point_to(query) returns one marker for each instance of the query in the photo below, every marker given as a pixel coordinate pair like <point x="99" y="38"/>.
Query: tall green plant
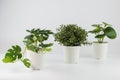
<point x="35" y="41"/>
<point x="71" y="35"/>
<point x="103" y="30"/>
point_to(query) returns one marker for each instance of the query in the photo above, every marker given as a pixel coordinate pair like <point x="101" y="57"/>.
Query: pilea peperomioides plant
<point x="35" y="41"/>
<point x="15" y="54"/>
<point x="103" y="30"/>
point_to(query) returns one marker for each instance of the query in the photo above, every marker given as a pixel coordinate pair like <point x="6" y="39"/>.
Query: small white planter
<point x="71" y="54"/>
<point x="37" y="60"/>
<point x="100" y="50"/>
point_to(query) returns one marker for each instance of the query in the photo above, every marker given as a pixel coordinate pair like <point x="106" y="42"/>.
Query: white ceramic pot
<point x="37" y="60"/>
<point x="71" y="54"/>
<point x="100" y="50"/>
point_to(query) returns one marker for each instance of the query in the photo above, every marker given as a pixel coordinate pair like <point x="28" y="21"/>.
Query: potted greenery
<point x="101" y="31"/>
<point x="15" y="54"/>
<point x="71" y="36"/>
<point x="37" y="45"/>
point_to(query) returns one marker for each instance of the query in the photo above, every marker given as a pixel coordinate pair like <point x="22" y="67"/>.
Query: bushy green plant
<point x="71" y="35"/>
<point x="35" y="41"/>
<point x="15" y="54"/>
<point x="103" y="30"/>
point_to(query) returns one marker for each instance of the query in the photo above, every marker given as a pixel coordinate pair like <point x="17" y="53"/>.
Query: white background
<point x="18" y="15"/>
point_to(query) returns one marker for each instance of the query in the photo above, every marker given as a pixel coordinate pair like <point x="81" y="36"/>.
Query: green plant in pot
<point x="71" y="36"/>
<point x="37" y="45"/>
<point x="102" y="31"/>
<point x="15" y="54"/>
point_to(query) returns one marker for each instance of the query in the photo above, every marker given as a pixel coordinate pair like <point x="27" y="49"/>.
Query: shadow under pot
<point x="100" y="50"/>
<point x="37" y="60"/>
<point x="71" y="54"/>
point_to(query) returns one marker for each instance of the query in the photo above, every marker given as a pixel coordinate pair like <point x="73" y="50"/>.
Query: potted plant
<point x="15" y="54"/>
<point x="37" y="45"/>
<point x="102" y="31"/>
<point x="71" y="36"/>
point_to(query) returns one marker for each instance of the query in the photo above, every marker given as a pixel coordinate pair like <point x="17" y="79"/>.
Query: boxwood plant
<point x="71" y="35"/>
<point x="103" y="30"/>
<point x="36" y="40"/>
<point x="15" y="54"/>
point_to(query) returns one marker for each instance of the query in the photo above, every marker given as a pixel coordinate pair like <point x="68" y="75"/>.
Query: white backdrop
<point x="18" y="15"/>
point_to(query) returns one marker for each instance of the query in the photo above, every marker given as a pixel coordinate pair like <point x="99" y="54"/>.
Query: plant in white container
<point x="37" y="45"/>
<point x="101" y="31"/>
<point x="71" y="36"/>
<point x="15" y="54"/>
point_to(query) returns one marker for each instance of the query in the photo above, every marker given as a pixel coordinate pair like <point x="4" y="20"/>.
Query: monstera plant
<point x="101" y="32"/>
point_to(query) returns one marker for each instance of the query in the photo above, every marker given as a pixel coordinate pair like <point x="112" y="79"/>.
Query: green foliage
<point x="35" y="40"/>
<point x="14" y="54"/>
<point x="103" y="30"/>
<point x="71" y="35"/>
<point x="26" y="62"/>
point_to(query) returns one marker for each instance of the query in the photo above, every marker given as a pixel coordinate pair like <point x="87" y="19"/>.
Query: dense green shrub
<point x="71" y="35"/>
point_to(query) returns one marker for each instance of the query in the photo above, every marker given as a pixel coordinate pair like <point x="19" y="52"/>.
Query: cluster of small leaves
<point x="14" y="54"/>
<point x="35" y="40"/>
<point x="103" y="30"/>
<point x="71" y="35"/>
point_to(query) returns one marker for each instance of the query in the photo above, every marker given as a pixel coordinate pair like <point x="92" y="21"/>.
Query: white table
<point x="55" y="69"/>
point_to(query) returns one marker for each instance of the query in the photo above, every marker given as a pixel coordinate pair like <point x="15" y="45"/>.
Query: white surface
<point x="55" y="69"/>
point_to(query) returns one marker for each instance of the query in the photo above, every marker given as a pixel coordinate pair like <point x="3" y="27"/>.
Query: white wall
<point x="18" y="15"/>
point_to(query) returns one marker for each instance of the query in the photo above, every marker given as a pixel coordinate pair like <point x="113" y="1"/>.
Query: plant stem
<point x="36" y="43"/>
<point x="24" y="52"/>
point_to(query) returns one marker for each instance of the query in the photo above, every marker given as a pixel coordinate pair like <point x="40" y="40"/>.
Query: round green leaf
<point x="110" y="33"/>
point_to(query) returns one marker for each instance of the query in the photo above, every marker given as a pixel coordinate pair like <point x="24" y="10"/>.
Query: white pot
<point x="71" y="54"/>
<point x="37" y="60"/>
<point x="100" y="50"/>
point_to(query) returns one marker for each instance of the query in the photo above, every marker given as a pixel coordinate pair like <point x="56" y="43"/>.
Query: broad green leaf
<point x="8" y="59"/>
<point x="100" y="36"/>
<point x="110" y="33"/>
<point x="26" y="62"/>
<point x="13" y="54"/>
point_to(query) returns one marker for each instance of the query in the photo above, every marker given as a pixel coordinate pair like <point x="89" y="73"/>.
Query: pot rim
<point x="72" y="46"/>
<point x="105" y="42"/>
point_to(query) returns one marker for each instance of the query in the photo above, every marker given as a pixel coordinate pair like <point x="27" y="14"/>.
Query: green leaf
<point x="46" y="45"/>
<point x="96" y="25"/>
<point x="48" y="49"/>
<point x="33" y="48"/>
<point x="110" y="33"/>
<point x="106" y="24"/>
<point x="100" y="36"/>
<point x="13" y="54"/>
<point x="26" y="62"/>
<point x="8" y="59"/>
